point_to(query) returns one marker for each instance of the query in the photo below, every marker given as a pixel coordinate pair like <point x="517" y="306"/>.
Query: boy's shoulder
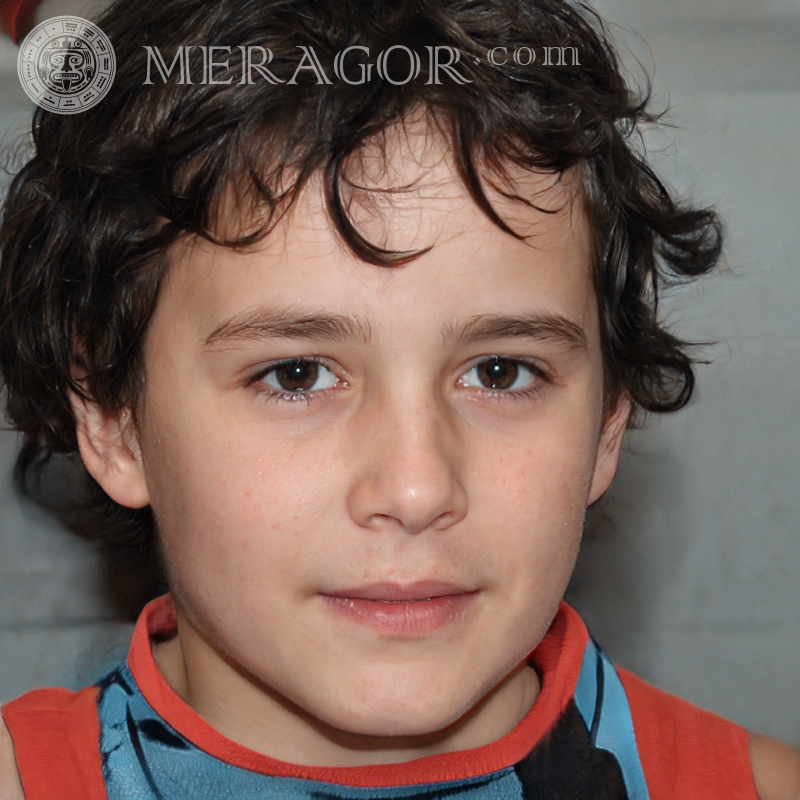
<point x="49" y="745"/>
<point x="776" y="768"/>
<point x="10" y="786"/>
<point x="683" y="746"/>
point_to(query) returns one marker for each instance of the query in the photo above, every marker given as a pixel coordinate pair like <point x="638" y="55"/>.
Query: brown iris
<point x="498" y="373"/>
<point x="297" y="376"/>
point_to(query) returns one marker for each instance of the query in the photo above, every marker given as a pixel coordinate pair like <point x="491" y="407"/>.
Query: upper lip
<point x="419" y="590"/>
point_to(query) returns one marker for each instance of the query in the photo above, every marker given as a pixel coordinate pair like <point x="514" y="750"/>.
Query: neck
<point x="255" y="716"/>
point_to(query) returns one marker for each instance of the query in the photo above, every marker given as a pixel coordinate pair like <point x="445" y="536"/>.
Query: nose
<point x="407" y="476"/>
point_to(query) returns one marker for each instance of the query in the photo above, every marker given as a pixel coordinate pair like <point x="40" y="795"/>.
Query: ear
<point x="607" y="460"/>
<point x="110" y="451"/>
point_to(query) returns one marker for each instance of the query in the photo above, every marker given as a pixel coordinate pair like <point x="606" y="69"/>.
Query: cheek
<point x="535" y="494"/>
<point x="226" y="500"/>
<point x="546" y="470"/>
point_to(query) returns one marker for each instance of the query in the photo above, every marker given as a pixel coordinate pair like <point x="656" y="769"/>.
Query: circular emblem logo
<point x="66" y="65"/>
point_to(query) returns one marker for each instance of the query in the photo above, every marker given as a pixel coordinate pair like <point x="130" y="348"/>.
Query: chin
<point x="406" y="725"/>
<point x="398" y="716"/>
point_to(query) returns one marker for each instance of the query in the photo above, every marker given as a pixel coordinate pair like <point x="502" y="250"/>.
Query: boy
<point x="357" y="351"/>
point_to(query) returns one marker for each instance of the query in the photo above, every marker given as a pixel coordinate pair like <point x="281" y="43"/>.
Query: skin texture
<point x="399" y="466"/>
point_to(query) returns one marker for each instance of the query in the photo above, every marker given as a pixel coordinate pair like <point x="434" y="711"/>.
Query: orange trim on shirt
<point x="558" y="657"/>
<point x="687" y="752"/>
<point x="56" y="735"/>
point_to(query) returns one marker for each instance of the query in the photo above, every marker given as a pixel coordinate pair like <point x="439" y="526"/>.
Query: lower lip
<point x="404" y="618"/>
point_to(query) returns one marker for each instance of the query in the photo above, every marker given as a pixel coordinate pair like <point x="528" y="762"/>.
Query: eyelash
<point x="540" y="377"/>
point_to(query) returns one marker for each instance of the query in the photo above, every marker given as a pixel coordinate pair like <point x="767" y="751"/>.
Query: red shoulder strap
<point x="56" y="736"/>
<point x="685" y="751"/>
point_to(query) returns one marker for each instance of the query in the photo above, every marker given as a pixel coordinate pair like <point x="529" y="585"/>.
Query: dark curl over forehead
<point x="91" y="217"/>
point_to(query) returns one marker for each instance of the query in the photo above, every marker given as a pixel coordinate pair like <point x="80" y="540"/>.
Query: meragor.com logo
<point x="66" y="65"/>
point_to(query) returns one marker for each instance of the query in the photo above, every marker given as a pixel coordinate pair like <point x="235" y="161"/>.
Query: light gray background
<point x="693" y="581"/>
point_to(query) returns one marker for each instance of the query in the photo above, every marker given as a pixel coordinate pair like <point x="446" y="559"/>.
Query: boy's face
<point x="381" y="529"/>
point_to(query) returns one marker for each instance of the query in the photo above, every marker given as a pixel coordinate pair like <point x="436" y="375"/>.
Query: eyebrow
<point x="264" y="323"/>
<point x="536" y="326"/>
<point x="283" y="323"/>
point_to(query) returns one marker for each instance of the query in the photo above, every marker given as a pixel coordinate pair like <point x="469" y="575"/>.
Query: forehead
<point x="403" y="193"/>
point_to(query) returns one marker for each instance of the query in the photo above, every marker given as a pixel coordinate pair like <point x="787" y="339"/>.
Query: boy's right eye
<point x="298" y="376"/>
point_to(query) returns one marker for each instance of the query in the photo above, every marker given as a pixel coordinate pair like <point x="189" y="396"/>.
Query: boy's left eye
<point x="501" y="374"/>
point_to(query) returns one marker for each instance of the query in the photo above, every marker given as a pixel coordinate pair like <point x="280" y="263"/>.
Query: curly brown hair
<point x="91" y="218"/>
